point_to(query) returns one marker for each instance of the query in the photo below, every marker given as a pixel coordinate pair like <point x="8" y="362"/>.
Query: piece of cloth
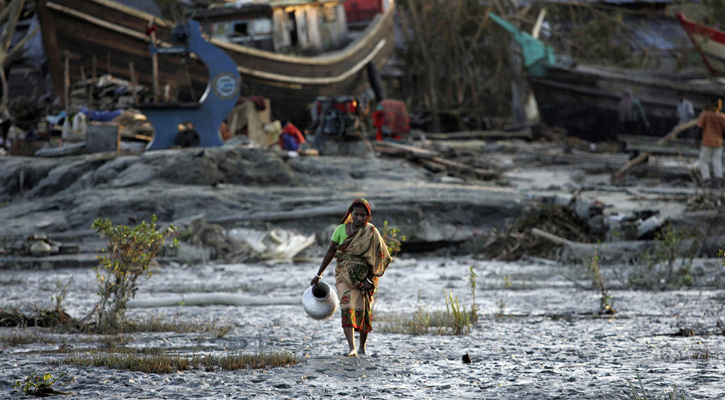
<point x="348" y="216"/>
<point x="393" y="116"/>
<point x="685" y="111"/>
<point x="710" y="156"/>
<point x="363" y="255"/>
<point x="713" y="125"/>
<point x="291" y="138"/>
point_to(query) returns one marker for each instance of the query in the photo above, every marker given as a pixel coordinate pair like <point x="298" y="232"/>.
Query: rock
<point x="40" y="248"/>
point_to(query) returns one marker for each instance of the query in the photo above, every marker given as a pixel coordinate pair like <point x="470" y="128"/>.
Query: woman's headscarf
<point x="358" y="202"/>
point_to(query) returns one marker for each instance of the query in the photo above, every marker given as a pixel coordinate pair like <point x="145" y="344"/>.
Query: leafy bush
<point x="130" y="252"/>
<point x="391" y="237"/>
<point x="40" y="386"/>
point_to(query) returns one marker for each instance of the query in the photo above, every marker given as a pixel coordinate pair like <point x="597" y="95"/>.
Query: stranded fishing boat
<point x="709" y="42"/>
<point x="289" y="51"/>
<point x="584" y="99"/>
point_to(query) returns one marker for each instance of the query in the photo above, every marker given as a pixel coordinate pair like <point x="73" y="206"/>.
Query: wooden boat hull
<point x="584" y="100"/>
<point x="710" y="42"/>
<point x="115" y="35"/>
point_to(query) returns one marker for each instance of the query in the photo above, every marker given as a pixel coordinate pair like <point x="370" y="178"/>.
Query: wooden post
<point x="133" y="82"/>
<point x="154" y="63"/>
<point x="66" y="83"/>
<point x="95" y="68"/>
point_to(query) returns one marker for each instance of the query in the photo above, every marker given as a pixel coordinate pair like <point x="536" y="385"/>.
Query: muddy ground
<point x="539" y="337"/>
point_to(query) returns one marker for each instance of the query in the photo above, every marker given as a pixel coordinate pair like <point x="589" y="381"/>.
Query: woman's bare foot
<point x="352" y="353"/>
<point x="363" y="351"/>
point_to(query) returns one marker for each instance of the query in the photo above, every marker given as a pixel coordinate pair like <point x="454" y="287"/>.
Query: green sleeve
<point x="339" y="235"/>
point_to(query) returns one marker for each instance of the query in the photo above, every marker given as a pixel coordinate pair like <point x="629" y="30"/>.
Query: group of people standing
<point x="710" y="124"/>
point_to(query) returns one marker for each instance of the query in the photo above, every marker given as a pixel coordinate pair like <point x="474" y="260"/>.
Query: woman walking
<point x="362" y="257"/>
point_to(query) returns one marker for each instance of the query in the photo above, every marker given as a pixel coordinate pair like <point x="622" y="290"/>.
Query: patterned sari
<point x="363" y="255"/>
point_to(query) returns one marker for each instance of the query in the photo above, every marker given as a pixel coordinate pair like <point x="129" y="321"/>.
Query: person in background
<point x="632" y="115"/>
<point x="712" y="123"/>
<point x="291" y="138"/>
<point x="685" y="113"/>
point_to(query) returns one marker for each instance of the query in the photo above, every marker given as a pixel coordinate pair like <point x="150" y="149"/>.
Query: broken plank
<point x="493" y="134"/>
<point x="432" y="165"/>
<point x="402" y="149"/>
<point x="481" y="173"/>
<point x="643" y="156"/>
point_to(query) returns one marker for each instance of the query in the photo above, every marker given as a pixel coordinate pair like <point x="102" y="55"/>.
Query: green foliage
<point x="454" y="320"/>
<point x="461" y="322"/>
<point x="638" y="393"/>
<point x="36" y="385"/>
<point x="130" y="253"/>
<point x="506" y="284"/>
<point x="606" y="303"/>
<point x="665" y="265"/>
<point x="393" y="239"/>
<point x="472" y="282"/>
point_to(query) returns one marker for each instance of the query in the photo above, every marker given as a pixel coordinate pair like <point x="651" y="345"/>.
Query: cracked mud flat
<point x="548" y="344"/>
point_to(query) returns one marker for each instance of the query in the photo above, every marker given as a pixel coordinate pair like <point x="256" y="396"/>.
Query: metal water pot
<point x="320" y="300"/>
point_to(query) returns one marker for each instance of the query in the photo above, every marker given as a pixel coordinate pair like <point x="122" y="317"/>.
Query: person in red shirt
<point x="291" y="137"/>
<point x="712" y="123"/>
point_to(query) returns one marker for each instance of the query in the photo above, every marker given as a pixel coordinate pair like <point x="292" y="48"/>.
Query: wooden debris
<point x="432" y="160"/>
<point x="643" y="156"/>
<point x="650" y="144"/>
<point x="517" y="240"/>
<point x="470" y="135"/>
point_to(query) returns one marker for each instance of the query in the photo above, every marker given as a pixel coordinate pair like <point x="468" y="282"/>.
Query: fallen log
<point x="643" y="156"/>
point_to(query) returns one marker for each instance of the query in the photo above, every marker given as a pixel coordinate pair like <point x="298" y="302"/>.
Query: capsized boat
<point x="584" y="98"/>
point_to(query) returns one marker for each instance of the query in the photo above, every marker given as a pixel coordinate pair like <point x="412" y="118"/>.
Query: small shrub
<point x="501" y="301"/>
<point x="659" y="267"/>
<point x="472" y="283"/>
<point x="606" y="303"/>
<point x="131" y="251"/>
<point x="638" y="393"/>
<point x="40" y="386"/>
<point x="393" y="239"/>
<point x="461" y="322"/>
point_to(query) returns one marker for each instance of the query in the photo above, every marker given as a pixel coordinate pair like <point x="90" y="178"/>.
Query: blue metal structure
<point x="217" y="101"/>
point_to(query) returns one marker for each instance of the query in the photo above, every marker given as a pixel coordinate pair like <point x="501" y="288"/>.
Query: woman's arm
<point x="329" y="254"/>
